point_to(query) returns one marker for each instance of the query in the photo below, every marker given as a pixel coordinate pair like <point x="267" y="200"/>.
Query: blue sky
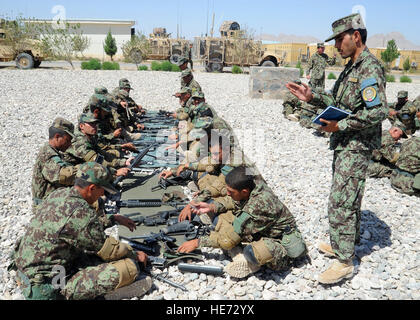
<point x="299" y="17"/>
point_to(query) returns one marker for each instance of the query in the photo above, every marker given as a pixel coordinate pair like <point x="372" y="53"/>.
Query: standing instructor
<point x="360" y="89"/>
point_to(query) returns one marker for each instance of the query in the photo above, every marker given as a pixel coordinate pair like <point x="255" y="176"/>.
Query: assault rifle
<point x="157" y="219"/>
<point x="154" y="237"/>
<point x="175" y="181"/>
<point x="148" y="203"/>
<point x="147" y="248"/>
<point x="135" y="162"/>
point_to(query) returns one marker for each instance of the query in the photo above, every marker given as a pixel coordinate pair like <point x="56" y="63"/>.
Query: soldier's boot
<point x="240" y="267"/>
<point x="326" y="249"/>
<point x="137" y="289"/>
<point x="293" y="117"/>
<point x="337" y="272"/>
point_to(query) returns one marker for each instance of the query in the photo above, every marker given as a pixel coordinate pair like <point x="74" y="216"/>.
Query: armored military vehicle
<point x="232" y="48"/>
<point x="26" y="54"/>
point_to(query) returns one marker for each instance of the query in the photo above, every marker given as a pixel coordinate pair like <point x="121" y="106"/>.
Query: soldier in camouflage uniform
<point x="50" y="171"/>
<point x="65" y="247"/>
<point x="406" y="177"/>
<point x="404" y="111"/>
<point x="317" y="64"/>
<point x="384" y="159"/>
<point x="85" y="148"/>
<point x="260" y="220"/>
<point x="187" y="80"/>
<point x="360" y="89"/>
<point x="185" y="101"/>
<point x="183" y="63"/>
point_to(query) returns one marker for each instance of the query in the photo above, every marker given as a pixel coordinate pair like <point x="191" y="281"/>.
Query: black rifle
<point x="135" y="162"/>
<point x="165" y="183"/>
<point x="148" y="203"/>
<point x="157" y="219"/>
<point x="147" y="248"/>
<point x="154" y="237"/>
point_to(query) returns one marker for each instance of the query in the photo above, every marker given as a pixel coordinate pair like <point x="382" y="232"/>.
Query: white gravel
<point x="296" y="164"/>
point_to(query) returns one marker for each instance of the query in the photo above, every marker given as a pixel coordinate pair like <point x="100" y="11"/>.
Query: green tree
<point x="407" y="64"/>
<point x="110" y="45"/>
<point x="137" y="49"/>
<point x="390" y="54"/>
<point x="80" y="43"/>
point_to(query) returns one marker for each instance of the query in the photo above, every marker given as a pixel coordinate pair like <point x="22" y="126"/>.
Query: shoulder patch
<point x="369" y="91"/>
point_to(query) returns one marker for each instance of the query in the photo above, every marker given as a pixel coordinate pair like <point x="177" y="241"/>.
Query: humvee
<point x="233" y="48"/>
<point x="28" y="56"/>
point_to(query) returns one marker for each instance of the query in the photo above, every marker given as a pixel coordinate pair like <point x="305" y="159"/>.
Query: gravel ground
<point x="296" y="165"/>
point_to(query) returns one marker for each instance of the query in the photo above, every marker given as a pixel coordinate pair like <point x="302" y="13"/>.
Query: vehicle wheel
<point x="136" y="56"/>
<point x="268" y="63"/>
<point x="216" y="66"/>
<point x="175" y="58"/>
<point x="207" y="67"/>
<point x="25" y="61"/>
<point x="37" y="63"/>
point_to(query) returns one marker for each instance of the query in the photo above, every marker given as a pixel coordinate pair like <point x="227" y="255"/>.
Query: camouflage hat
<point x="184" y="90"/>
<point x="350" y="22"/>
<point x="95" y="173"/>
<point x="187" y="72"/>
<point x="320" y="45"/>
<point x="198" y="94"/>
<point x="64" y="125"/>
<point x="181" y="61"/>
<point x="126" y="86"/>
<point x="101" y="101"/>
<point x="402" y="94"/>
<point x="101" y="90"/>
<point x="87" y="118"/>
<point x="123" y="81"/>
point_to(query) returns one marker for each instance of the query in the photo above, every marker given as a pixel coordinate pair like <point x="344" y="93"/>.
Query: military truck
<point x="162" y="47"/>
<point x="233" y="48"/>
<point x="26" y="54"/>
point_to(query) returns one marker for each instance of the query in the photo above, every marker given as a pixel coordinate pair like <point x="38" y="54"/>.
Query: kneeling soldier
<point x="260" y="221"/>
<point x="66" y="234"/>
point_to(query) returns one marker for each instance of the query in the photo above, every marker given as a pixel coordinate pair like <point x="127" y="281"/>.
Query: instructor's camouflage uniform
<point x="317" y="64"/>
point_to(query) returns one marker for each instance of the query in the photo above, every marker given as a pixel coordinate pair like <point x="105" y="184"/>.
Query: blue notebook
<point x="331" y="113"/>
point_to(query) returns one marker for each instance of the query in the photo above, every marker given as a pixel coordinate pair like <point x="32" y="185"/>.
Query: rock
<point x="239" y="291"/>
<point x="268" y="295"/>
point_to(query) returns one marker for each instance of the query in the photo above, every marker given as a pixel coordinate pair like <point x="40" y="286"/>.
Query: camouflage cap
<point x="198" y="95"/>
<point x="123" y="81"/>
<point x="320" y="45"/>
<point x="186" y="72"/>
<point x="101" y="101"/>
<point x="87" y="118"/>
<point x="96" y="174"/>
<point x="353" y="21"/>
<point x="181" y="61"/>
<point x="101" y="90"/>
<point x="184" y="90"/>
<point x="402" y="94"/>
<point x="64" y="125"/>
<point x="126" y="86"/>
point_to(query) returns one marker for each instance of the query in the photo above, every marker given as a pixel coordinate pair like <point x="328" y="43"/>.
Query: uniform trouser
<point x="317" y="83"/>
<point x="378" y="170"/>
<point x="344" y="214"/>
<point x="403" y="182"/>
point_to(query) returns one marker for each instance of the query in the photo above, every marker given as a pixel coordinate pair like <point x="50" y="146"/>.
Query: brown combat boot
<point x="337" y="272"/>
<point x="326" y="249"/>
<point x="137" y="289"/>
<point x="240" y="267"/>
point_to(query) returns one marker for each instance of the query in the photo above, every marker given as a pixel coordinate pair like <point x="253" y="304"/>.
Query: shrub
<point x="175" y="68"/>
<point x="92" y="64"/>
<point x="156" y="66"/>
<point x="166" y="66"/>
<point x="299" y="66"/>
<point x="332" y="76"/>
<point x="143" y="68"/>
<point x="405" y="79"/>
<point x="237" y="70"/>
<point x="110" y="66"/>
<point x="390" y="78"/>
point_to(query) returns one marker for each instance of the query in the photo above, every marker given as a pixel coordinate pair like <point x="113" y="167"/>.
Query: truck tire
<point x="37" y="63"/>
<point x="175" y="58"/>
<point x="25" y="61"/>
<point x="268" y="63"/>
<point x="216" y="65"/>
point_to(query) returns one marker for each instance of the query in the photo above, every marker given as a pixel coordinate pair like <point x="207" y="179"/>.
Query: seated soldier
<point x="185" y="101"/>
<point x="65" y="247"/>
<point x="406" y="112"/>
<point x="291" y="105"/>
<point x="260" y="220"/>
<point x="124" y="84"/>
<point x="85" y="148"/>
<point x="50" y="171"/>
<point x="394" y="108"/>
<point x="383" y="160"/>
<point x="406" y="177"/>
<point x="187" y="80"/>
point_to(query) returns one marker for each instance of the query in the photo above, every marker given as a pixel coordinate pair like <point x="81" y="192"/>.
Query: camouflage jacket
<point x="46" y="175"/>
<point x="202" y="110"/>
<point x="388" y="150"/>
<point x="63" y="230"/>
<point x="86" y="149"/>
<point x="363" y="128"/>
<point x="193" y="85"/>
<point x="409" y="159"/>
<point x="262" y="215"/>
<point x="317" y="64"/>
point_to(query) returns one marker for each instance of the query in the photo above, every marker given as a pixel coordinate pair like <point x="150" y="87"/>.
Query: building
<point x="97" y="29"/>
<point x="292" y="52"/>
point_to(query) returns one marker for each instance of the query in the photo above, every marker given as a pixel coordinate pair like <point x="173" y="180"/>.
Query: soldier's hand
<point x="302" y="92"/>
<point x="122" y="172"/>
<point x="117" y="132"/>
<point x="185" y="214"/>
<point x="124" y="104"/>
<point x="128" y="162"/>
<point x="188" y="246"/>
<point x="142" y="258"/>
<point x="124" y="221"/>
<point x="332" y="126"/>
<point x="140" y="126"/>
<point x="181" y="168"/>
<point x="165" y="174"/>
<point x="173" y="137"/>
<point x="202" y="207"/>
<point x="174" y="115"/>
